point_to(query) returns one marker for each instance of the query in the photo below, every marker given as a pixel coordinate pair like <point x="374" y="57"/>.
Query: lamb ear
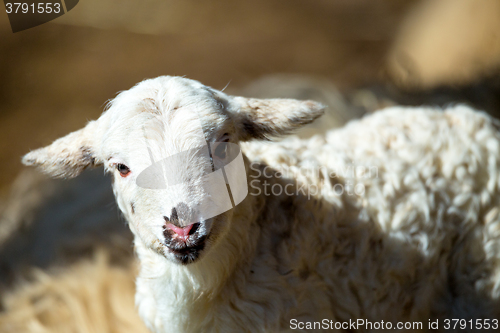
<point x="67" y="156"/>
<point x="266" y="118"/>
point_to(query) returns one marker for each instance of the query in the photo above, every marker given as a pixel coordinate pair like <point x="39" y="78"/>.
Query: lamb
<point x="392" y="220"/>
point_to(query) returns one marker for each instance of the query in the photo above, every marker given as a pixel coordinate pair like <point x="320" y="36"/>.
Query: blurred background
<point x="356" y="56"/>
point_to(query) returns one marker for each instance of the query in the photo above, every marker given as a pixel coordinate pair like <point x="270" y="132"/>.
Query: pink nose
<point x="181" y="231"/>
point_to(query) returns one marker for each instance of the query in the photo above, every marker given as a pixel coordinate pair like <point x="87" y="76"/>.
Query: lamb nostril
<point x="166" y="218"/>
<point x="194" y="228"/>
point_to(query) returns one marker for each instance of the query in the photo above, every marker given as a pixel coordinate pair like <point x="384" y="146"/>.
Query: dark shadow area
<point x="66" y="225"/>
<point x="482" y="94"/>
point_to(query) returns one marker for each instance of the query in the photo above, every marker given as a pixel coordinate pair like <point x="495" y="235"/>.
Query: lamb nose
<point x="174" y="218"/>
<point x="173" y="215"/>
<point x="183" y="231"/>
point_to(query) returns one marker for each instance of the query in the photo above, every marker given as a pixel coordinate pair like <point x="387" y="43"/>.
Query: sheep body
<point x="394" y="217"/>
<point x="420" y="242"/>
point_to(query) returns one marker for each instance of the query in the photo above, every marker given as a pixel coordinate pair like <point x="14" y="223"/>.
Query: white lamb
<point x="392" y="218"/>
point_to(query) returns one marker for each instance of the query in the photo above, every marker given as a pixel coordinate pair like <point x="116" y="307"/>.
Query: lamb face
<point x="163" y="167"/>
<point x="165" y="142"/>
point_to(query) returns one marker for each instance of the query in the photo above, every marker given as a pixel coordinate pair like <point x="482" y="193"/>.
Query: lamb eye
<point x="221" y="149"/>
<point x="123" y="169"/>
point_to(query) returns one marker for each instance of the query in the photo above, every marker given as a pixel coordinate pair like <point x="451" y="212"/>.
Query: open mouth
<point x="185" y="243"/>
<point x="188" y="254"/>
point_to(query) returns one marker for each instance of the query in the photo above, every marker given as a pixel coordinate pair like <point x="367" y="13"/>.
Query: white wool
<point x="394" y="217"/>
